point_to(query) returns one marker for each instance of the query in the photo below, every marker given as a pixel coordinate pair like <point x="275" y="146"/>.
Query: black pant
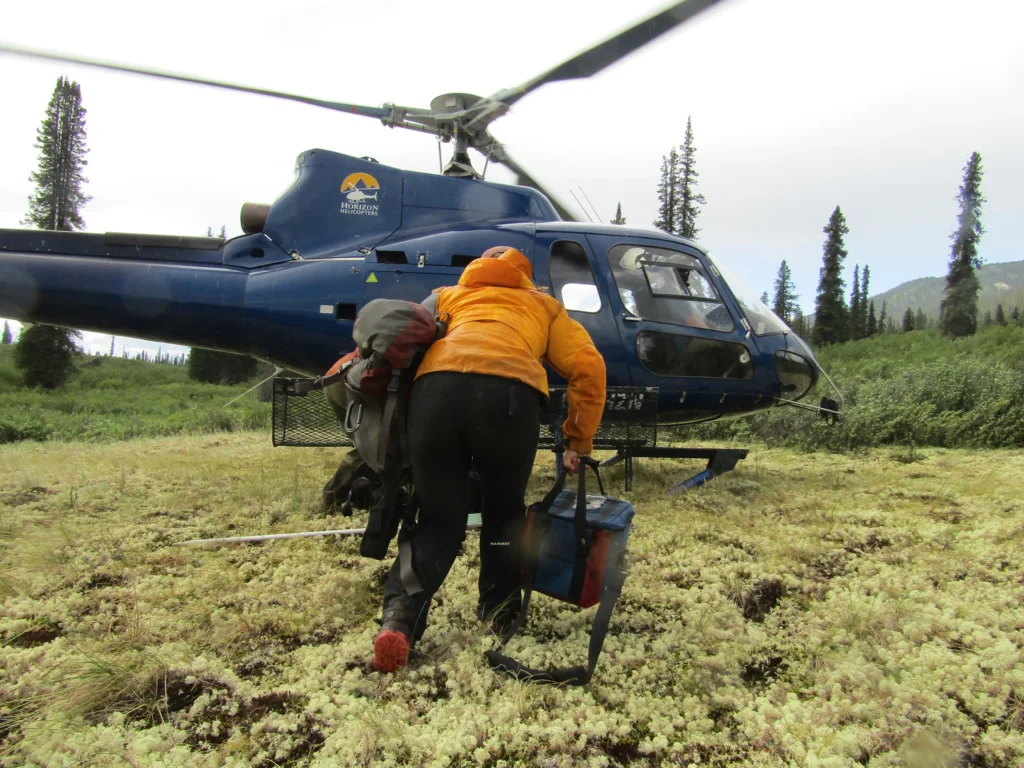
<point x="457" y="420"/>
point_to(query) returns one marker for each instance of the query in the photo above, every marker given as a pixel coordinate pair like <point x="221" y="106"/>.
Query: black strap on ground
<point x="569" y="675"/>
<point x="577" y="675"/>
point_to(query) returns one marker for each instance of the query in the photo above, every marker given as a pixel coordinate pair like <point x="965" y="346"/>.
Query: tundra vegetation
<point x="806" y="609"/>
<point x="858" y="605"/>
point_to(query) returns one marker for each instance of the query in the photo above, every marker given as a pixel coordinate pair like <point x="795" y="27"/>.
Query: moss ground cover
<point x="818" y="610"/>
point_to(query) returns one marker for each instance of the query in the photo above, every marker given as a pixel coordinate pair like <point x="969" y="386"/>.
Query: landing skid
<point x="720" y="461"/>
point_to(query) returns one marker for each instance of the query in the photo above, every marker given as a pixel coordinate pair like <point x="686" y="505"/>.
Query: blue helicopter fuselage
<point x="348" y="231"/>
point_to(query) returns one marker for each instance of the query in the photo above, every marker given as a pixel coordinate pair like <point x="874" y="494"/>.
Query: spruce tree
<point x="7" y="338"/>
<point x="830" y="322"/>
<point x="58" y="198"/>
<point x="1015" y="316"/>
<point x="1000" y="315"/>
<point x="688" y="198"/>
<point x="865" y="278"/>
<point x="784" y="304"/>
<point x="987" y="320"/>
<point x="872" y="326"/>
<point x="45" y="355"/>
<point x="959" y="308"/>
<point x="764" y="298"/>
<point x="920" y="320"/>
<point x="668" y="189"/>
<point x="799" y="323"/>
<point x="619" y="218"/>
<point x="855" y="305"/>
<point x="908" y="320"/>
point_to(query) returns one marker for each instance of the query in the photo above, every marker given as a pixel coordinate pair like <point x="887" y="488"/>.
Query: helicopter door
<point x="679" y="332"/>
<point x="565" y="264"/>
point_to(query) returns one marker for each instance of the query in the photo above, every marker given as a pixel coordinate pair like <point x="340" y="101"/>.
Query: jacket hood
<point x="507" y="271"/>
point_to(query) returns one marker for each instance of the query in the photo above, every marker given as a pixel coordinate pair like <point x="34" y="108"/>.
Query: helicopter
<point x="664" y="313"/>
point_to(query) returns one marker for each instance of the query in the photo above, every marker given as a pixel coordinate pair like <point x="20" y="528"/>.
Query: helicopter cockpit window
<point x="572" y="278"/>
<point x="762" y="320"/>
<point x="667" y="286"/>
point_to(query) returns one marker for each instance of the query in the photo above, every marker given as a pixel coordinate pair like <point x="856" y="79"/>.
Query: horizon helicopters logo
<point x="361" y="193"/>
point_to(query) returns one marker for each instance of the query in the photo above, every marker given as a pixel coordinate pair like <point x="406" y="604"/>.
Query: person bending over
<point x="476" y="400"/>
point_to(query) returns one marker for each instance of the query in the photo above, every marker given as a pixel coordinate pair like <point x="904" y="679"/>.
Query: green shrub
<point x="913" y="388"/>
<point x="119" y="399"/>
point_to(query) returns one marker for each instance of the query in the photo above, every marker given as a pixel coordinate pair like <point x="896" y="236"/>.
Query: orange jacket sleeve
<point x="573" y="355"/>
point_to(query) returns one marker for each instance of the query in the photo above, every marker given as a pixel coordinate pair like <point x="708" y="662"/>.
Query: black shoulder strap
<point x="389" y="418"/>
<point x="303" y="386"/>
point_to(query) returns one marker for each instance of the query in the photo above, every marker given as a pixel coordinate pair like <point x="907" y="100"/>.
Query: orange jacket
<point x="502" y="325"/>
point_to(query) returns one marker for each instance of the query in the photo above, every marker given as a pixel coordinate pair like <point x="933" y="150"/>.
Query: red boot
<point x="391" y="648"/>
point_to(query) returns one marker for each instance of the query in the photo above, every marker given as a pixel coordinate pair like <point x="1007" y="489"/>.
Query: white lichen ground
<point x="804" y="610"/>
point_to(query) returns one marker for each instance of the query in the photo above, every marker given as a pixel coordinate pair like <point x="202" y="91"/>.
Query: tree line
<point x="837" y="319"/>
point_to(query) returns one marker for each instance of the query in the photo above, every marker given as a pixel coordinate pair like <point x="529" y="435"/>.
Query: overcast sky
<point x="797" y="106"/>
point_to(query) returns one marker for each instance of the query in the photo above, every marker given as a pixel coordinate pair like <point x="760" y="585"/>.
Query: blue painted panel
<point x="198" y="305"/>
<point x="336" y="204"/>
<point x="290" y="312"/>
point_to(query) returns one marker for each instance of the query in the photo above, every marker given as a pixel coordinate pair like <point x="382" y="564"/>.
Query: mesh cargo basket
<point x="630" y="418"/>
<point x="305" y="420"/>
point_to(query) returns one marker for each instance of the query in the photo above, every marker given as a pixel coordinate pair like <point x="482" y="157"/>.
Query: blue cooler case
<point x="574" y="551"/>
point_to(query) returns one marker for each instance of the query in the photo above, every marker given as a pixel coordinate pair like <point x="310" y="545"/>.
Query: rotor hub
<point x="453" y="104"/>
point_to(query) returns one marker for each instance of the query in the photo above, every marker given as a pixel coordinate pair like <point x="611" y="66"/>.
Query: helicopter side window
<point x="572" y="278"/>
<point x="667" y="286"/>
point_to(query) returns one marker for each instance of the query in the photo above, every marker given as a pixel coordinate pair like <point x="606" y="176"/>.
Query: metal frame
<point x="642" y="443"/>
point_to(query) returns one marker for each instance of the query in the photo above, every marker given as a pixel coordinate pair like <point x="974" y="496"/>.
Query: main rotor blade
<point x="593" y="60"/>
<point x="339" y="106"/>
<point x="500" y="155"/>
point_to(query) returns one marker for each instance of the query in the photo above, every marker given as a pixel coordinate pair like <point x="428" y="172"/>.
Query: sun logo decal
<point x="361" y="192"/>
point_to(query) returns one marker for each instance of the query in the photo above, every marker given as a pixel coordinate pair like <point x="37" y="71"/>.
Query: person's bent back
<point x="476" y="402"/>
<point x="509" y="333"/>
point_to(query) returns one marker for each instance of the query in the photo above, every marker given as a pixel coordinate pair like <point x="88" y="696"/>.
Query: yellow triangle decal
<point x="372" y="278"/>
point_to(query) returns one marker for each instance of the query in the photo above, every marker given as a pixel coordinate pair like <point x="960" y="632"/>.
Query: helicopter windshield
<point x="763" y="321"/>
<point x="667" y="286"/>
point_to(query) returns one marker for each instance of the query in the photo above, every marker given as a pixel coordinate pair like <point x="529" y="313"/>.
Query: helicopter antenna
<point x="487" y="161"/>
<point x="440" y="159"/>
<point x="592" y="205"/>
<point x="580" y="205"/>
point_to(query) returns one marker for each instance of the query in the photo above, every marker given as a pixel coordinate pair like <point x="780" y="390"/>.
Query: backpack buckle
<point x="356" y="409"/>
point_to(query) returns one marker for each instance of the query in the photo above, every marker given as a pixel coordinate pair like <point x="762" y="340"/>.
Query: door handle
<point x="630" y="318"/>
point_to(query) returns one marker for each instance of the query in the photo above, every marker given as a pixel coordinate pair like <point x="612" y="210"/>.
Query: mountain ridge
<point x="1001" y="283"/>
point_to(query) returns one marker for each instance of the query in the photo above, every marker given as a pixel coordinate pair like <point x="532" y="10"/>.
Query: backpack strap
<point x="389" y="417"/>
<point x="405" y="570"/>
<point x="304" y="386"/>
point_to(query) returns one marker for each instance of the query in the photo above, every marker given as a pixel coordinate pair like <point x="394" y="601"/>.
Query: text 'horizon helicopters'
<point x="662" y="311"/>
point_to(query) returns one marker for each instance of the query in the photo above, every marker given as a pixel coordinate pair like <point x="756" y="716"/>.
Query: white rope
<point x="276" y="371"/>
